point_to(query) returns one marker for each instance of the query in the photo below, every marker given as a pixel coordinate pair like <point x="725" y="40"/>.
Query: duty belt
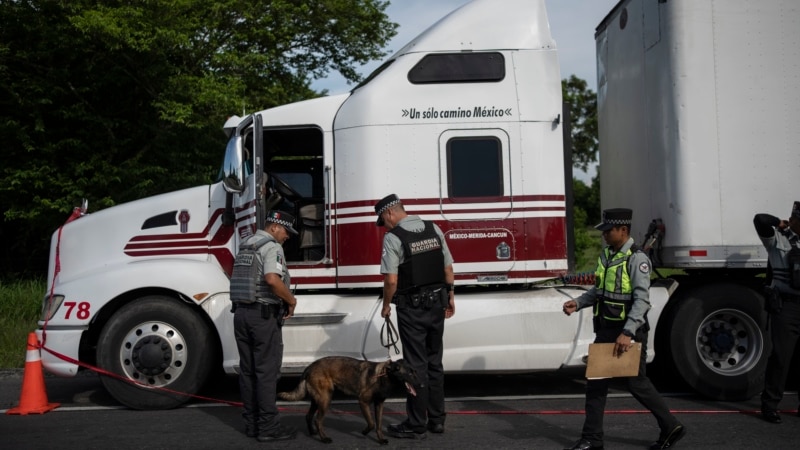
<point x="269" y="310"/>
<point x="426" y="298"/>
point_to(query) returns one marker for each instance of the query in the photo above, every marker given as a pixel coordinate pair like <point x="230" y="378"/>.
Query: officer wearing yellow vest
<point x="620" y="301"/>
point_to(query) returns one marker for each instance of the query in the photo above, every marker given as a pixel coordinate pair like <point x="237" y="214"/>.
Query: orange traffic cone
<point x="33" y="399"/>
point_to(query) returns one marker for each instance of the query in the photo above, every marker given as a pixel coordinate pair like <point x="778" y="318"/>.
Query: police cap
<point x="384" y="204"/>
<point x="281" y="218"/>
<point x="615" y="217"/>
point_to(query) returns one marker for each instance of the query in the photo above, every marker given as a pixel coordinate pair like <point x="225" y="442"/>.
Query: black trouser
<point x="784" y="330"/>
<point x="421" y="333"/>
<point x="260" y="345"/>
<point x="639" y="386"/>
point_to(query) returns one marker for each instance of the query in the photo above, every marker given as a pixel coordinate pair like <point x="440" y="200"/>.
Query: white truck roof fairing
<point x="697" y="103"/>
<point x="498" y="22"/>
<point x="390" y="126"/>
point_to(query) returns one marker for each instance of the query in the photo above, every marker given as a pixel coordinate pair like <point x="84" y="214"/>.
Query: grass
<point x="20" y="307"/>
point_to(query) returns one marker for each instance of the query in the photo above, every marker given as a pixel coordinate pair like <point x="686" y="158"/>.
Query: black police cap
<point x="281" y="218"/>
<point x="384" y="204"/>
<point x="615" y="217"/>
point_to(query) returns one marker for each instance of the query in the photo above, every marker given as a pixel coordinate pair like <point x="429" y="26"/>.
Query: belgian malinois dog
<point x="370" y="382"/>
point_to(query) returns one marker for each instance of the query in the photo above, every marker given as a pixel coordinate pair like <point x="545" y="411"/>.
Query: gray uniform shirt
<point x="392" y="255"/>
<point x="272" y="257"/>
<point x="639" y="267"/>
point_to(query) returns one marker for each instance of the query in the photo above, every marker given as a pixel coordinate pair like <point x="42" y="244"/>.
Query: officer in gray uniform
<point x="620" y="301"/>
<point x="262" y="300"/>
<point x="418" y="279"/>
<point x="780" y="237"/>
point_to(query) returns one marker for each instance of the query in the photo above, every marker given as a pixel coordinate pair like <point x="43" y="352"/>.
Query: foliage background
<point x="114" y="101"/>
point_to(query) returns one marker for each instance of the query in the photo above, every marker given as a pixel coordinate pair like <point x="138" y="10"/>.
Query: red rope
<point x="76" y="213"/>
<point x="107" y="373"/>
<point x="615" y="412"/>
<point x="455" y="412"/>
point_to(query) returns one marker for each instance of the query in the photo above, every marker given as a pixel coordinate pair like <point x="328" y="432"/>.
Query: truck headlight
<point x="50" y="306"/>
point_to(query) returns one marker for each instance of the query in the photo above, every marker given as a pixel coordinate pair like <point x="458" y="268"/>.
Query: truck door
<point x="475" y="187"/>
<point x="295" y="181"/>
<point x="241" y="176"/>
<point x="279" y="168"/>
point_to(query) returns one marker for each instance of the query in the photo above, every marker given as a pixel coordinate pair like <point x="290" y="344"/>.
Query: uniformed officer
<point x="780" y="237"/>
<point x="620" y="300"/>
<point x="262" y="300"/>
<point x="418" y="279"/>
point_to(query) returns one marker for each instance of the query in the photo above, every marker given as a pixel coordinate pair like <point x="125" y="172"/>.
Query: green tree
<point x="587" y="198"/>
<point x="582" y="103"/>
<point x="583" y="111"/>
<point x="586" y="213"/>
<point x="114" y="101"/>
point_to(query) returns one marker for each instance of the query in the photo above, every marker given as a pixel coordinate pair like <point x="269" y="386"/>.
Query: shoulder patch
<point x="644" y="267"/>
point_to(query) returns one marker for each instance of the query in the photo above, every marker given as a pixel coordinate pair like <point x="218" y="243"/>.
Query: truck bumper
<point x="63" y="342"/>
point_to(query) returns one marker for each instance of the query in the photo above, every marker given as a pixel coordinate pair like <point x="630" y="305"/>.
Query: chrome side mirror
<point x="233" y="166"/>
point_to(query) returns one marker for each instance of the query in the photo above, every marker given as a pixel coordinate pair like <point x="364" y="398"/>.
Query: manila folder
<point x="603" y="363"/>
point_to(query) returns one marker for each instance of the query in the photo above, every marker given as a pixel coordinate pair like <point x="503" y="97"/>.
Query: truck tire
<point x="158" y="343"/>
<point x="718" y="341"/>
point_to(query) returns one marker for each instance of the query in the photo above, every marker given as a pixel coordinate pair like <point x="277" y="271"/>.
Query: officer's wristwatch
<point x="627" y="333"/>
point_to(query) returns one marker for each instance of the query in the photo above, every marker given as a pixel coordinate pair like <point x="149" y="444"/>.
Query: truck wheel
<point x="158" y="343"/>
<point x="718" y="341"/>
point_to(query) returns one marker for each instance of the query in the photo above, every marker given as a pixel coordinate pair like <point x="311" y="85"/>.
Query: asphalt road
<point x="486" y="411"/>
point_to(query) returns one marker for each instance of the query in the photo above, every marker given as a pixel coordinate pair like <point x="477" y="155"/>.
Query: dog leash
<point x="389" y="337"/>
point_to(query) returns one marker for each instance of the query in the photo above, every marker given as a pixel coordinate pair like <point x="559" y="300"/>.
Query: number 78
<point x="83" y="310"/>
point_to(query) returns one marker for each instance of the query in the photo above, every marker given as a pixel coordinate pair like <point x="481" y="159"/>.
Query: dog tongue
<point x="410" y="389"/>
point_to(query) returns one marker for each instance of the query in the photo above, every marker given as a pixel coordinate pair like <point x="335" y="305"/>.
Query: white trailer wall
<point x="697" y="103"/>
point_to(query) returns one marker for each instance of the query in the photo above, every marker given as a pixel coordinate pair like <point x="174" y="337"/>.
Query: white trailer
<point x="696" y="104"/>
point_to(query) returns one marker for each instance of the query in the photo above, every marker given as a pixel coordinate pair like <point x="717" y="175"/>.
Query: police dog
<point x="370" y="382"/>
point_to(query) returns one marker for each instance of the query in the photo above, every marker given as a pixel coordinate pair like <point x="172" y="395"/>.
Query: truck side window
<point x="459" y="68"/>
<point x="248" y="154"/>
<point x="474" y="168"/>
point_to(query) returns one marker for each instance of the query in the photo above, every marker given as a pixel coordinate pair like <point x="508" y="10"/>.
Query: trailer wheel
<point x="718" y="341"/>
<point x="157" y="343"/>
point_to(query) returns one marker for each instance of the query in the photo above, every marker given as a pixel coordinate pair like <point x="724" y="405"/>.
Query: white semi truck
<point x="697" y="102"/>
<point x="464" y="123"/>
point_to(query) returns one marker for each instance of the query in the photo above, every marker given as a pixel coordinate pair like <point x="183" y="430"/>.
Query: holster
<point x="773" y="303"/>
<point x="271" y="310"/>
<point x="281" y="312"/>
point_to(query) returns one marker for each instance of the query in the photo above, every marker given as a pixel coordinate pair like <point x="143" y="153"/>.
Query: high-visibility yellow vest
<point x="613" y="285"/>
